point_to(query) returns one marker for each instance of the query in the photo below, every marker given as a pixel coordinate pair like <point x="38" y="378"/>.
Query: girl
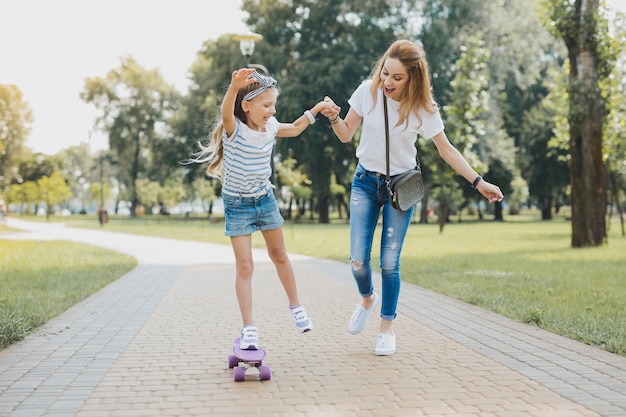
<point x="239" y="154"/>
<point x="402" y="76"/>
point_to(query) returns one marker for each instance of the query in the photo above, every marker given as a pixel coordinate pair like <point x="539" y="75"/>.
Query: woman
<point x="402" y="76"/>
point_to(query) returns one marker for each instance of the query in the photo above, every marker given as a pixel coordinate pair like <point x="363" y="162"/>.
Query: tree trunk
<point x="134" y="173"/>
<point x="498" y="215"/>
<point x="322" y="209"/>
<point x="424" y="210"/>
<point x="615" y="199"/>
<point x="443" y="214"/>
<point x="587" y="176"/>
<point x="546" y="210"/>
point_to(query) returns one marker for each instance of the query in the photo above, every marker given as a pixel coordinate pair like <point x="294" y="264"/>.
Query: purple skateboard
<point x="242" y="359"/>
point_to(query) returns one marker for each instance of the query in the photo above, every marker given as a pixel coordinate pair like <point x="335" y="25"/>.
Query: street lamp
<point x="246" y="45"/>
<point x="103" y="213"/>
<point x="102" y="217"/>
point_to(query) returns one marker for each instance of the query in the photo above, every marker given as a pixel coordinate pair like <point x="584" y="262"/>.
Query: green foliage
<point x="496" y="72"/>
<point x="23" y="195"/>
<point x="135" y="104"/>
<point x="583" y="25"/>
<point x="147" y="192"/>
<point x="544" y="141"/>
<point x="465" y="114"/>
<point x="288" y="174"/>
<point x="16" y="119"/>
<point x="316" y="49"/>
<point x="53" y="190"/>
<point x="204" y="190"/>
<point x="97" y="190"/>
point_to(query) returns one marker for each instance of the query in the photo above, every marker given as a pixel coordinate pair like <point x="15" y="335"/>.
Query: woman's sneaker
<point x="360" y="316"/>
<point x="249" y="338"/>
<point x="386" y="344"/>
<point x="303" y="322"/>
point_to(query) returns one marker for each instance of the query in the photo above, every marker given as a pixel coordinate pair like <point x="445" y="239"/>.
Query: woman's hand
<point x="331" y="110"/>
<point x="490" y="191"/>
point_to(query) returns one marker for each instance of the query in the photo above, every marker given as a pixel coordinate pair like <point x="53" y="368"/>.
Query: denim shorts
<point x="245" y="215"/>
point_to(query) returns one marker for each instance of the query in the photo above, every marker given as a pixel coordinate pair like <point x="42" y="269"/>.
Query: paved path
<point x="156" y="341"/>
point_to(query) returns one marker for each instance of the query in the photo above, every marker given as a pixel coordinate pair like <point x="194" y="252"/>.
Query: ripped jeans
<point x="368" y="195"/>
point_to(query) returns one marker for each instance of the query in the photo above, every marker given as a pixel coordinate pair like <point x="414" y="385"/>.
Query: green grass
<point x="523" y="268"/>
<point x="528" y="272"/>
<point x="40" y="280"/>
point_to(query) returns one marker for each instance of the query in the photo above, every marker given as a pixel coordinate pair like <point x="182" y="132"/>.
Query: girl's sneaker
<point x="249" y="338"/>
<point x="303" y="322"/>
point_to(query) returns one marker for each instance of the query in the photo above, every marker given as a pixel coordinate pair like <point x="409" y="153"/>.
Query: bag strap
<point x="417" y="159"/>
<point x="387" y="178"/>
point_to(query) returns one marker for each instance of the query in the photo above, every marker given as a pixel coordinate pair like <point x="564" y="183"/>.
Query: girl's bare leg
<point x="278" y="254"/>
<point x="242" y="247"/>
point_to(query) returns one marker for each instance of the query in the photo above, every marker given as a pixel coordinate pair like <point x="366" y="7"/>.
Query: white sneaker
<point x="386" y="344"/>
<point x="249" y="338"/>
<point x="303" y="322"/>
<point x="360" y="316"/>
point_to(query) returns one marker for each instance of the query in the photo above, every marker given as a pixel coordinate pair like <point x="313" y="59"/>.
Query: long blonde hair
<point x="418" y="93"/>
<point x="213" y="153"/>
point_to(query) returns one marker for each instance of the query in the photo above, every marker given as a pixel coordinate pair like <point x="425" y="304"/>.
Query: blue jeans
<point x="368" y="196"/>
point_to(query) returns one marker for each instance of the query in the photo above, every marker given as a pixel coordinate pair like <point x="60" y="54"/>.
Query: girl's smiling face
<point x="394" y="78"/>
<point x="260" y="109"/>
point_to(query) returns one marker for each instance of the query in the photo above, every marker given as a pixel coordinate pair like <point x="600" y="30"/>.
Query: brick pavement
<point x="156" y="341"/>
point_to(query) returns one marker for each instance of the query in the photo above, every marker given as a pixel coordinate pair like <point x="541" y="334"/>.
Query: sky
<point x="48" y="48"/>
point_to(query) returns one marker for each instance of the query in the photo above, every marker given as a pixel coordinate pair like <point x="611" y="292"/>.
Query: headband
<point x="265" y="83"/>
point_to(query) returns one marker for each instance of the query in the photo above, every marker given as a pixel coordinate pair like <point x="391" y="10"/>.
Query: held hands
<point x="326" y="107"/>
<point x="331" y="110"/>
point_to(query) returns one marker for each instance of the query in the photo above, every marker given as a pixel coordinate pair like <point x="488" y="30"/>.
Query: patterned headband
<point x="265" y="83"/>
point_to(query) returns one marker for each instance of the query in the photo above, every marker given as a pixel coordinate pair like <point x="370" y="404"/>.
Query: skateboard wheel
<point x="239" y="373"/>
<point x="265" y="373"/>
<point x="232" y="361"/>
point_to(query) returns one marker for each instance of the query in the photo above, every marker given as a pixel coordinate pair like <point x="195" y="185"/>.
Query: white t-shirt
<point x="371" y="150"/>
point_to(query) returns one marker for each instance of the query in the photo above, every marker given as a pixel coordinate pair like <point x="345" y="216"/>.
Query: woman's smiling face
<point x="394" y="78"/>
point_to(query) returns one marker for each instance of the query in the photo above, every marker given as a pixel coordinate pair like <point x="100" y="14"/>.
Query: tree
<point x="318" y="48"/>
<point x="583" y="29"/>
<point x="74" y="164"/>
<point x="172" y="192"/>
<point x="465" y="116"/>
<point x="613" y="136"/>
<point x="544" y="144"/>
<point x="203" y="191"/>
<point x="53" y="190"/>
<point x="16" y="119"/>
<point x="24" y="195"/>
<point x="135" y="105"/>
<point x="210" y="75"/>
<point x="148" y="193"/>
<point x="516" y="60"/>
<point x="289" y="177"/>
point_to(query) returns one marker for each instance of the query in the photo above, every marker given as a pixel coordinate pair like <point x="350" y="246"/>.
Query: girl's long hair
<point x="213" y="153"/>
<point x="418" y="93"/>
